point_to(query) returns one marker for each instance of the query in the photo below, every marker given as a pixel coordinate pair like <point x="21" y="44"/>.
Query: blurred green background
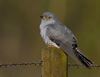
<point x="20" y="39"/>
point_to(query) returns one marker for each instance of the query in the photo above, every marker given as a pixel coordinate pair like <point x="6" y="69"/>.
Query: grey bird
<point x="55" y="33"/>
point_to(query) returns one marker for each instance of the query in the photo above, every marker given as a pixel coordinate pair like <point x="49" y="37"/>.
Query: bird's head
<point x="48" y="17"/>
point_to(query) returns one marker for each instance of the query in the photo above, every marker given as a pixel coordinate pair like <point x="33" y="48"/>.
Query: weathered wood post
<point x="54" y="63"/>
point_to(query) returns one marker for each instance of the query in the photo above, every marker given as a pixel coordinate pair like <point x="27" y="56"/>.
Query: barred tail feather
<point x="82" y="58"/>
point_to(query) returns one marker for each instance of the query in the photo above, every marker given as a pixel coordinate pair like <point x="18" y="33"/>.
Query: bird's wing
<point x="63" y="37"/>
<point x="60" y="34"/>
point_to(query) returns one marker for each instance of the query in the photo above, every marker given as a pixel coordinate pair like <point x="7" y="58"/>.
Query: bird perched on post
<point x="55" y="33"/>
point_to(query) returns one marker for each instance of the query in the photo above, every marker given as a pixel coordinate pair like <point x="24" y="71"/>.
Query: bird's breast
<point x="43" y="32"/>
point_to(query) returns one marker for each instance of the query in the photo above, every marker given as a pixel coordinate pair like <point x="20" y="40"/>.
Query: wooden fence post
<point x="54" y="63"/>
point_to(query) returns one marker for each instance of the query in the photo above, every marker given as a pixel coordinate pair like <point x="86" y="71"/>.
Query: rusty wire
<point x="39" y="63"/>
<point x="20" y="64"/>
<point x="76" y="65"/>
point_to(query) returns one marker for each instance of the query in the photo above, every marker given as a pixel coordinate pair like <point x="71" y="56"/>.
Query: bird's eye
<point x="49" y="17"/>
<point x="41" y="17"/>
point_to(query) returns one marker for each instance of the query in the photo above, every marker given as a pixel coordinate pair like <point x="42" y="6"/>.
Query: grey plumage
<point x="55" y="33"/>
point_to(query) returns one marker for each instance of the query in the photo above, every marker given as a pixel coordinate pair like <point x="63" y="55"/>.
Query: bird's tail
<point x="82" y="58"/>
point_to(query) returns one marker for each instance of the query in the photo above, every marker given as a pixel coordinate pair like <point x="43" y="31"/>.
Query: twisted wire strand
<point x="76" y="65"/>
<point x="20" y="64"/>
<point x="39" y="63"/>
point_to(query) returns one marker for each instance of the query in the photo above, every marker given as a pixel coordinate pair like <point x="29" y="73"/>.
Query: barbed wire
<point x="39" y="63"/>
<point x="20" y="64"/>
<point x="76" y="65"/>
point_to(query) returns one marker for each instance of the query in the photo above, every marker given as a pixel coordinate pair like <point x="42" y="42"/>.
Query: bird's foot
<point x="51" y="46"/>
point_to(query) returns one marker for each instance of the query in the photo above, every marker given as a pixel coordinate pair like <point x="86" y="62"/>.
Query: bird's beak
<point x="41" y="17"/>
